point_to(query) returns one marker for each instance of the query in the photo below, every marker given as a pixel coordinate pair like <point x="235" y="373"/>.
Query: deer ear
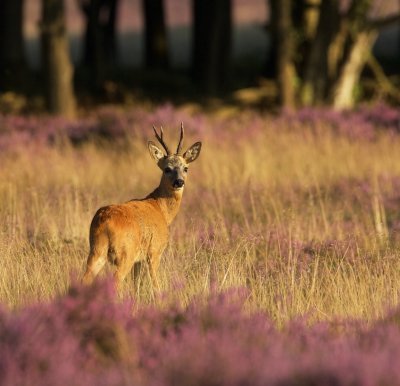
<point x="155" y="152"/>
<point x="192" y="153"/>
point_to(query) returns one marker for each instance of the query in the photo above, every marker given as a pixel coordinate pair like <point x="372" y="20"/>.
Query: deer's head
<point x="174" y="165"/>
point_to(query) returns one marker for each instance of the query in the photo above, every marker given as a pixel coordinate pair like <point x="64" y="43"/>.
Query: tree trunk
<point x="156" y="42"/>
<point x="270" y="63"/>
<point x="286" y="71"/>
<point x="328" y="46"/>
<point x="343" y="94"/>
<point x="12" y="58"/>
<point x="100" y="47"/>
<point x="212" y="42"/>
<point x="56" y="62"/>
<point x="354" y="40"/>
<point x="93" y="55"/>
<point x="111" y="33"/>
<point x="316" y="75"/>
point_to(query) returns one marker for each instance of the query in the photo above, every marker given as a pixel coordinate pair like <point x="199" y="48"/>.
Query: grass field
<point x="302" y="209"/>
<point x="282" y="267"/>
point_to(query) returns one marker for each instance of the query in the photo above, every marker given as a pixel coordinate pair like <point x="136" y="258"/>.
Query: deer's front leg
<point x="137" y="268"/>
<point x="153" y="260"/>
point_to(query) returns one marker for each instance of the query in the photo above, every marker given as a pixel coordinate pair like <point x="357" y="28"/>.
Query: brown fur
<point x="137" y="230"/>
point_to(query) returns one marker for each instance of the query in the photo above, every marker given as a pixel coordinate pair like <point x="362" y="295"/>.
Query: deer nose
<point x="179" y="183"/>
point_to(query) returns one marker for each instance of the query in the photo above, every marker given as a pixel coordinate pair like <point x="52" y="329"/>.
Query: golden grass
<point x="282" y="214"/>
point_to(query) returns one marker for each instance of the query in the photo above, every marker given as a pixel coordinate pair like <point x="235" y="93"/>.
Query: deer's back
<point x="135" y="222"/>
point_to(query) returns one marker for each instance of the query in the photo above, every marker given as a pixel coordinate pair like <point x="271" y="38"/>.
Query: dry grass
<point x="301" y="220"/>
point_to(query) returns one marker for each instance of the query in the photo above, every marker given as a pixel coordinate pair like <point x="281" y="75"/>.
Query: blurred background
<point x="56" y="55"/>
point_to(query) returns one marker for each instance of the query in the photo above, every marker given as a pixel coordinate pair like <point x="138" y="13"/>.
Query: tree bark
<point x="286" y="71"/>
<point x="353" y="42"/>
<point x="156" y="42"/>
<point x="12" y="58"/>
<point x="343" y="94"/>
<point x="93" y="54"/>
<point x="316" y="75"/>
<point x="56" y="62"/>
<point x="111" y="33"/>
<point x="100" y="47"/>
<point x="270" y="63"/>
<point x="212" y="44"/>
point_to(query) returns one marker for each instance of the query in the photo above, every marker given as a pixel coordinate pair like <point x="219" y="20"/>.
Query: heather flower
<point x="77" y="339"/>
<point x="17" y="132"/>
<point x="88" y="337"/>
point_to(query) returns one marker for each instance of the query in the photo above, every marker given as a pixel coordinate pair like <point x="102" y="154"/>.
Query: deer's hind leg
<point x="95" y="262"/>
<point x="97" y="258"/>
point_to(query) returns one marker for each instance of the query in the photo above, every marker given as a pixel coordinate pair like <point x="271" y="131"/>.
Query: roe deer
<point x="128" y="233"/>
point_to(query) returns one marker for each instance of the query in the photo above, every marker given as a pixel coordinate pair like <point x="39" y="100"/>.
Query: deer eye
<point x="185" y="169"/>
<point x="167" y="170"/>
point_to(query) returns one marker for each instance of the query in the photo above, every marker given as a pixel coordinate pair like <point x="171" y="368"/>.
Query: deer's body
<point x="137" y="230"/>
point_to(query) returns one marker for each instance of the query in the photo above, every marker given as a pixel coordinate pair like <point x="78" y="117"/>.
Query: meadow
<point x="285" y="253"/>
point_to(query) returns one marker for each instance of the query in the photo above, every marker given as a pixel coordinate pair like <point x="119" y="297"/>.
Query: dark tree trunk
<point x="316" y="73"/>
<point x="212" y="44"/>
<point x="270" y="70"/>
<point x="286" y="71"/>
<point x="12" y="58"/>
<point x="93" y="54"/>
<point x="100" y="47"/>
<point x="156" y="42"/>
<point x="56" y="62"/>
<point x="111" y="33"/>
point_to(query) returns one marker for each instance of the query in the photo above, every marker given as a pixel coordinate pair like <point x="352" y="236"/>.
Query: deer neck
<point x="168" y="200"/>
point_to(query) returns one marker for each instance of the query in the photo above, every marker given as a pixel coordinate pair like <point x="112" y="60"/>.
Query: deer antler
<point x="180" y="144"/>
<point x="161" y="139"/>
